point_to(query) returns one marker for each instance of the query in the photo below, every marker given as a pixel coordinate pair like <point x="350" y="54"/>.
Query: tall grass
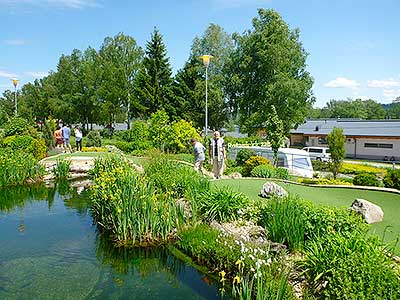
<point x="285" y="222"/>
<point x="17" y="167"/>
<point x="127" y="205"/>
<point x="61" y="169"/>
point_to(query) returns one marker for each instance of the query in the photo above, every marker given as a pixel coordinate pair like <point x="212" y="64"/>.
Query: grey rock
<point x="371" y="213"/>
<point x="270" y="189"/>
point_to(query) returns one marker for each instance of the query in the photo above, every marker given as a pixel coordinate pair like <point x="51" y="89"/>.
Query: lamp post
<point x="15" y="83"/>
<point x="206" y="62"/>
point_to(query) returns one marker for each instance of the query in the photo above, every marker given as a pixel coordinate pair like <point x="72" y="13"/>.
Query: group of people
<point x="63" y="135"/>
<point x="216" y="152"/>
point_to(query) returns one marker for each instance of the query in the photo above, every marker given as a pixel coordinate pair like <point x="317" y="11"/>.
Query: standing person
<point x="66" y="134"/>
<point x="216" y="150"/>
<point x="78" y="138"/>
<point x="199" y="157"/>
<point x="58" y="137"/>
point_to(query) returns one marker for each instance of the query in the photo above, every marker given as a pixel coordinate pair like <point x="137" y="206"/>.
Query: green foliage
<point x="160" y="129"/>
<point x="366" y="179"/>
<point x="18" y="167"/>
<point x="392" y="179"/>
<point x="354" y="267"/>
<point x="269" y="68"/>
<point x="221" y="205"/>
<point x="336" y="141"/>
<point x="323" y="220"/>
<point x="282" y="173"/>
<point x="349" y="168"/>
<point x="93" y="139"/>
<point x="172" y="177"/>
<point x="320" y="165"/>
<point x="61" y="169"/>
<point x="326" y="181"/>
<point x="275" y="131"/>
<point x="253" y="162"/>
<point x="48" y="133"/>
<point x="285" y="222"/>
<point x="182" y="133"/>
<point x="126" y="204"/>
<point x="26" y="143"/>
<point x="243" y="155"/>
<point x="237" y="261"/>
<point x="263" y="171"/>
<point x="15" y="126"/>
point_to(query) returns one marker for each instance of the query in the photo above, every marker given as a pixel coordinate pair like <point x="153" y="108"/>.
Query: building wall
<point x="356" y="147"/>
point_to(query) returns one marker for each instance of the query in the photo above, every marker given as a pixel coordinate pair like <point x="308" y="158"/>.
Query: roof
<point x="351" y="127"/>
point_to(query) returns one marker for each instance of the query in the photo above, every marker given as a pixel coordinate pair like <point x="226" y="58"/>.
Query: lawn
<point x="135" y="159"/>
<point x="338" y="197"/>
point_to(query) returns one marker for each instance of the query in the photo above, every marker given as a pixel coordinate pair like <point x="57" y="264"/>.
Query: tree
<point x="336" y="141"/>
<point x="275" y="132"/>
<point x="154" y="81"/>
<point x="269" y="68"/>
<point x="120" y="61"/>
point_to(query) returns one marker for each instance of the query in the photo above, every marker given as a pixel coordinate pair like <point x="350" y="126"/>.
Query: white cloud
<point x="389" y="83"/>
<point x="36" y="74"/>
<point x="342" y="82"/>
<point x="391" y="94"/>
<point x="74" y="4"/>
<point x="7" y="74"/>
<point x="15" y="42"/>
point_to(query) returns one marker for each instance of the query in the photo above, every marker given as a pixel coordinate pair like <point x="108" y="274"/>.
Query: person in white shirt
<point x="216" y="150"/>
<point x="199" y="156"/>
<point x="78" y="138"/>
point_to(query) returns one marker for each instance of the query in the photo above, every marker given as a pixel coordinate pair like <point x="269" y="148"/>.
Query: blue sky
<point x="353" y="45"/>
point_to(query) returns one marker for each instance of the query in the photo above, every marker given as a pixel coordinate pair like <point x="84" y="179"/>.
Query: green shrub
<point x="366" y="179"/>
<point x="26" y="143"/>
<point x="181" y="135"/>
<point x="263" y="171"/>
<point x="282" y="173"/>
<point x="48" y="133"/>
<point x="15" y="126"/>
<point x="130" y="147"/>
<point x="18" y="167"/>
<point x="139" y="132"/>
<point x="221" y="205"/>
<point x="61" y="169"/>
<point x="243" y="155"/>
<point x="284" y="221"/>
<point x="253" y="162"/>
<point x="392" y="179"/>
<point x="93" y="139"/>
<point x="322" y="220"/>
<point x="320" y="165"/>
<point x="349" y="267"/>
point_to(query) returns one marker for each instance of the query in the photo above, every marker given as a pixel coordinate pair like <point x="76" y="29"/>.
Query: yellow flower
<point x="222" y="273"/>
<point x="119" y="210"/>
<point x="236" y="280"/>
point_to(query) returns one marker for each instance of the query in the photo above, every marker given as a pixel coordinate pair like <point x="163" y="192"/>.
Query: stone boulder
<point x="270" y="189"/>
<point x="371" y="213"/>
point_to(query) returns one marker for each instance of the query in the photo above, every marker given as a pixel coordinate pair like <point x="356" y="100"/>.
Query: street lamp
<point x="15" y="83"/>
<point x="206" y="62"/>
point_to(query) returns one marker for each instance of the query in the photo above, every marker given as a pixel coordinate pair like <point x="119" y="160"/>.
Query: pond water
<point x="50" y="249"/>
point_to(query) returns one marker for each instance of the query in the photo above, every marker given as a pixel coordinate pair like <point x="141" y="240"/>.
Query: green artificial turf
<point x="389" y="228"/>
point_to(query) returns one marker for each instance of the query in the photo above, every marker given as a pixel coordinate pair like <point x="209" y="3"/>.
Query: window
<point x="322" y="141"/>
<point x="376" y="145"/>
<point x="315" y="150"/>
<point x="301" y="163"/>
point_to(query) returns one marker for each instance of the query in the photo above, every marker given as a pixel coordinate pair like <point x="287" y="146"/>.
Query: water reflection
<point x="50" y="247"/>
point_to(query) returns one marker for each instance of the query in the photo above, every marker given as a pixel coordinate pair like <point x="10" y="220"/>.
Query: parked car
<point x="318" y="153"/>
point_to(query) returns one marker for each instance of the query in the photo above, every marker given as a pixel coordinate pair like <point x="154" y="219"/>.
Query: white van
<point x="318" y="153"/>
<point x="295" y="160"/>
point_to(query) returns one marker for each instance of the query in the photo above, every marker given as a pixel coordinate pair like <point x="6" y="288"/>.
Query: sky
<point x="353" y="46"/>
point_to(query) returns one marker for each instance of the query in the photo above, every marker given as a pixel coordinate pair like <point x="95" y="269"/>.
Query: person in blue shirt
<point x="66" y="134"/>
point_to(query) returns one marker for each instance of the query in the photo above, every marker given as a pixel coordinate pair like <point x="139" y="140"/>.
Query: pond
<point x="50" y="249"/>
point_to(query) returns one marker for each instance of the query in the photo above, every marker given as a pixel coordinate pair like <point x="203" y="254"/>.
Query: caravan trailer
<point x="295" y="160"/>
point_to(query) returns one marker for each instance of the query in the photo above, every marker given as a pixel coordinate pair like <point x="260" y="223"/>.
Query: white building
<point x="368" y="139"/>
